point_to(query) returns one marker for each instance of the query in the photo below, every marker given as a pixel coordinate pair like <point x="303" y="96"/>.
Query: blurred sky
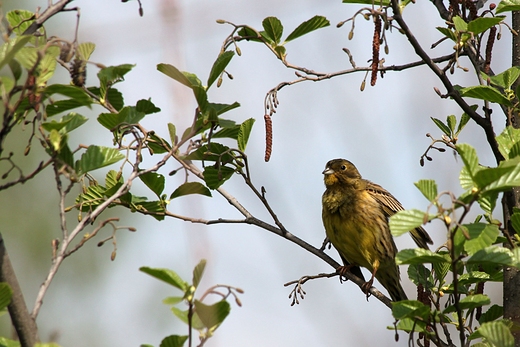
<point x="94" y="301"/>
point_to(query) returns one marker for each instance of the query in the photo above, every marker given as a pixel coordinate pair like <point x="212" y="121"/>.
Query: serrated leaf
<point x="190" y="188"/>
<point x="410" y="309"/>
<point x="492" y="255"/>
<point x="316" y="22"/>
<point x="507" y="5"/>
<point x="127" y="115"/>
<point x="212" y="315"/>
<point x="91" y="198"/>
<point x="404" y="221"/>
<point x="460" y="24"/>
<point x="273" y="29"/>
<point x="96" y="157"/>
<point x="244" y="132"/>
<point x="67" y="123"/>
<point x="219" y="65"/>
<point x="482" y="24"/>
<point x="113" y="180"/>
<point x="146" y="106"/>
<point x="154" y="181"/>
<point x="466" y="182"/>
<point x="501" y="178"/>
<point x="86" y="49"/>
<point x="114" y="96"/>
<point x="494" y="312"/>
<point x="114" y="74"/>
<point x="166" y="275"/>
<point x="507" y="139"/>
<point x="487" y="93"/>
<point x="496" y="333"/>
<point x="473" y="277"/>
<point x="155" y="208"/>
<point x="420" y="256"/>
<point x="469" y="156"/>
<point x="198" y="271"/>
<point x="9" y="49"/>
<point x="481" y="236"/>
<point x="214" y="177"/>
<point x="469" y="302"/>
<point x="419" y="274"/>
<point x="440" y="124"/>
<point x="173" y="341"/>
<point x="215" y="152"/>
<point x="428" y="188"/>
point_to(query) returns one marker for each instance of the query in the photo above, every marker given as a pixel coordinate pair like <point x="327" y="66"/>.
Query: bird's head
<point x="340" y="171"/>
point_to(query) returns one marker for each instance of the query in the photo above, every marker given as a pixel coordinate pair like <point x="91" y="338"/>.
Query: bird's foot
<point x="366" y="287"/>
<point x="342" y="271"/>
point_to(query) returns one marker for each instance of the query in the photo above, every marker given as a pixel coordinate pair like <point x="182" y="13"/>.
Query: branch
<point x="23" y="323"/>
<point x="483" y="122"/>
<point x="48" y="13"/>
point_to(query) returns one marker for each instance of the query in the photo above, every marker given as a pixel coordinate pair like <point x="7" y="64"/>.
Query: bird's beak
<point x="327" y="171"/>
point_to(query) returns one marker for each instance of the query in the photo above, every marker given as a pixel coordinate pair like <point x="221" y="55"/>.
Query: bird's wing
<point x="390" y="206"/>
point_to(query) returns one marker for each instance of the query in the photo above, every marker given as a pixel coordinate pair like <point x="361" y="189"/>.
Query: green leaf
<point x="448" y="33"/>
<point x="5" y="295"/>
<point x="219" y="65"/>
<point x="90" y="199"/>
<point x="113" y="181"/>
<point x="451" y="121"/>
<point x="469" y="156"/>
<point x="496" y="333"/>
<point x="85" y="50"/>
<point x="114" y="74"/>
<point x="445" y="129"/>
<point x="228" y="132"/>
<point x="420" y="256"/>
<point x="419" y="274"/>
<point x="176" y="74"/>
<point x="507" y="5"/>
<point x="502" y="178"/>
<point x="466" y="182"/>
<point x="507" y="139"/>
<point x="154" y="181"/>
<point x="410" y="309"/>
<point x="316" y="22"/>
<point x="428" y="188"/>
<point x="223" y="108"/>
<point x="214" y="177"/>
<point x="482" y="24"/>
<point x="5" y="342"/>
<point x="493" y="255"/>
<point x="198" y="271"/>
<point x="384" y="3"/>
<point x="9" y="49"/>
<point x="460" y="24"/>
<point x="469" y="302"/>
<point x="146" y="106"/>
<point x="114" y="96"/>
<point x="190" y="188"/>
<point x="183" y="316"/>
<point x="404" y="221"/>
<point x="216" y="152"/>
<point x="244" y="132"/>
<point x="515" y="221"/>
<point x="155" y="208"/>
<point x="485" y="93"/>
<point x="127" y="115"/>
<point x="172" y="300"/>
<point x="212" y="315"/>
<point x="67" y="123"/>
<point x="494" y="312"/>
<point x="172" y="132"/>
<point x="474" y="277"/>
<point x="273" y="29"/>
<point x="166" y="275"/>
<point x="481" y="236"/>
<point x="97" y="157"/>
<point x="20" y="20"/>
<point x="173" y="341"/>
<point x="61" y="106"/>
<point x="464" y="119"/>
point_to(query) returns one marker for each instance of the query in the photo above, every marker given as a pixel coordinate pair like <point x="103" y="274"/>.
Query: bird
<point x="355" y="215"/>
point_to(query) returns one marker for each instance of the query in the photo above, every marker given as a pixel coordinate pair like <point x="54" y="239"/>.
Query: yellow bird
<point x="355" y="215"/>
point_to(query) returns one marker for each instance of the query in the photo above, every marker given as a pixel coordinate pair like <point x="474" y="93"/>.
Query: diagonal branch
<point x="483" y="122"/>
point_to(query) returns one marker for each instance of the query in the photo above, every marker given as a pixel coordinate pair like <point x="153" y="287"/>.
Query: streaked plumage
<point x="355" y="215"/>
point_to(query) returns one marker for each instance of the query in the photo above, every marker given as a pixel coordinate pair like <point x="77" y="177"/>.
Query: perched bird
<point x="355" y="215"/>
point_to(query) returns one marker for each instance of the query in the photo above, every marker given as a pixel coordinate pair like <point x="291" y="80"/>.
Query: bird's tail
<point x="390" y="279"/>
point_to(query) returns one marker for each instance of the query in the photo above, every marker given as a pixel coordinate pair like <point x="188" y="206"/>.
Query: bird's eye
<point x="343" y="167"/>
